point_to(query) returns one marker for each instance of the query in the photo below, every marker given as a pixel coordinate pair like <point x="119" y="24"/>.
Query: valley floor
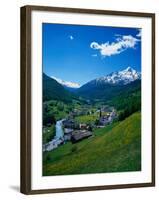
<point x="115" y="148"/>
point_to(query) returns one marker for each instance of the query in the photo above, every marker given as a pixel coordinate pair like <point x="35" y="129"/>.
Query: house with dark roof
<point x="79" y="135"/>
<point x="67" y="134"/>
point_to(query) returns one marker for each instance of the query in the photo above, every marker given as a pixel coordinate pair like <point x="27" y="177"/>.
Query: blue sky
<point x="82" y="53"/>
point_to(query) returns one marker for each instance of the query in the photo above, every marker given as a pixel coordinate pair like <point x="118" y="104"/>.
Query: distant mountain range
<point x="111" y="85"/>
<point x="103" y="88"/>
<point x="123" y="77"/>
<point x="68" y="84"/>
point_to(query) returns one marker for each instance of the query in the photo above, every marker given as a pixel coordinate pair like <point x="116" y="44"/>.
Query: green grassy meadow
<point x="115" y="148"/>
<point x="87" y="118"/>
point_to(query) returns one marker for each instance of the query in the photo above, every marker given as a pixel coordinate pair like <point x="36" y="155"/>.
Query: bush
<point x="90" y="128"/>
<point x="74" y="149"/>
<point x="48" y="118"/>
<point x="48" y="158"/>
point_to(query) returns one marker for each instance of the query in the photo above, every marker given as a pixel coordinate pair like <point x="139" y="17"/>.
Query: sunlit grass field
<point x="87" y="118"/>
<point x="115" y="148"/>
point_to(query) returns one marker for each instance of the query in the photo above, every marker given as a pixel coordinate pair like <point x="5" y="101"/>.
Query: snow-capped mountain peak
<point x="66" y="83"/>
<point x="121" y="77"/>
<point x="129" y="69"/>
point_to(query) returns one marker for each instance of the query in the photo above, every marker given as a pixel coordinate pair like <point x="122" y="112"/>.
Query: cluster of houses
<point x="74" y="132"/>
<point x="108" y="118"/>
<point x="76" y="135"/>
<point x="77" y="112"/>
<point x="69" y="134"/>
<point x="53" y="144"/>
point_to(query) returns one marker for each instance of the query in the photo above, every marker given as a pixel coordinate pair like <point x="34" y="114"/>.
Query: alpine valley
<point x="92" y="128"/>
<point x="99" y="89"/>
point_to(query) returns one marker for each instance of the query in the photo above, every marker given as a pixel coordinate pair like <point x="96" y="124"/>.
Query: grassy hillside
<point x="107" y="91"/>
<point x="52" y="90"/>
<point x="115" y="148"/>
<point x="126" y="103"/>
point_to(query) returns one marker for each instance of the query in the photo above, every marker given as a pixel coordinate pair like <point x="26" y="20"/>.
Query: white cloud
<point x="139" y="33"/>
<point x="71" y="37"/>
<point x="121" y="44"/>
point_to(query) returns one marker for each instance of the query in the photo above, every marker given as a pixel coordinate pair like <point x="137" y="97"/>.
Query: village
<point x="69" y="129"/>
